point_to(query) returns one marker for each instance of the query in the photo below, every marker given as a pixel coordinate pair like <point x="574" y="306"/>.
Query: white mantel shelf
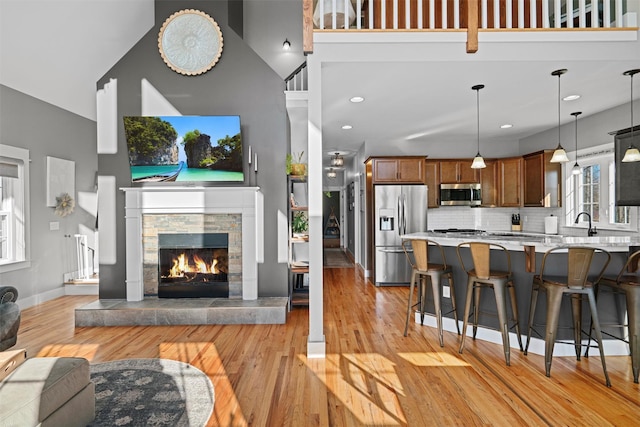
<point x="174" y="199"/>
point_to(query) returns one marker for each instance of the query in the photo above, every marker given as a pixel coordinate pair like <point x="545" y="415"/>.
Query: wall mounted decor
<point x="61" y="178"/>
<point x="190" y="42"/>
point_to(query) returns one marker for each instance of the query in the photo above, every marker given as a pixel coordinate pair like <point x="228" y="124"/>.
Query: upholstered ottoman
<point x="48" y="391"/>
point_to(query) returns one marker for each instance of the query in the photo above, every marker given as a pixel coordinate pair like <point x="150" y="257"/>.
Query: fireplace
<point x="193" y="265"/>
<point x="151" y="211"/>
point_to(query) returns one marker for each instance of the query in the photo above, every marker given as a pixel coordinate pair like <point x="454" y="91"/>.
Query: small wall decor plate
<point x="190" y="42"/>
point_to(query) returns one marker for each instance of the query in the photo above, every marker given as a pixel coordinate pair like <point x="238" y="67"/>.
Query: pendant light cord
<point x="631" y="108"/>
<point x="478" y="116"/>
<point x="559" y="109"/>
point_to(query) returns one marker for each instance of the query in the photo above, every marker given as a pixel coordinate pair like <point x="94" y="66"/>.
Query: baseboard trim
<point x="612" y="347"/>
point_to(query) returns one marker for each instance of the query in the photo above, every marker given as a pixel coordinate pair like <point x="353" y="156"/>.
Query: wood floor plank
<point x="372" y="375"/>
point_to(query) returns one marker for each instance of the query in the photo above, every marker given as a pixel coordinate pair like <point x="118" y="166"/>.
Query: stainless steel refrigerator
<point x="400" y="209"/>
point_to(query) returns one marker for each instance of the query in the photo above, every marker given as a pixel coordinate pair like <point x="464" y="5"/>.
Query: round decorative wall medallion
<point x="190" y="42"/>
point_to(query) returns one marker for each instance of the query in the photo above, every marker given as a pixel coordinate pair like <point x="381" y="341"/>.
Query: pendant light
<point x="337" y="160"/>
<point x="632" y="154"/>
<point x="576" y="170"/>
<point x="478" y="161"/>
<point x="559" y="156"/>
<point x="331" y="174"/>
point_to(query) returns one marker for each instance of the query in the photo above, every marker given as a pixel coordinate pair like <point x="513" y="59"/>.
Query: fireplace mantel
<point x="247" y="201"/>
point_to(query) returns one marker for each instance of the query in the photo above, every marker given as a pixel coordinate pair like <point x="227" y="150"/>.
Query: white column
<point x="316" y="346"/>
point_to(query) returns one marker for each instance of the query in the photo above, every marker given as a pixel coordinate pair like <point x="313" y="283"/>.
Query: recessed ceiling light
<point x="347" y="127"/>
<point x="356" y="99"/>
<point x="571" y="97"/>
<point x="506" y="126"/>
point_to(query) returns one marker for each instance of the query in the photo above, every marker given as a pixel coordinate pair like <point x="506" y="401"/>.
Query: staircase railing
<point x="298" y="79"/>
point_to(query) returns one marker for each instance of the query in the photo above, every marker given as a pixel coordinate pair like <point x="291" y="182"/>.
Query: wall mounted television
<point x="184" y="149"/>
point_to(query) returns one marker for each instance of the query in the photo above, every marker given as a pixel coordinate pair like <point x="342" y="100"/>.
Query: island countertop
<point x="522" y="241"/>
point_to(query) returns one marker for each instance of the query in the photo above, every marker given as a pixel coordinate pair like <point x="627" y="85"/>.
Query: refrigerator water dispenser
<point x="386" y="219"/>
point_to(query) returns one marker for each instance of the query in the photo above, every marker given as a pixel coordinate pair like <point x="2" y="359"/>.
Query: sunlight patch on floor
<point x="88" y="351"/>
<point x="433" y="359"/>
<point x="366" y="383"/>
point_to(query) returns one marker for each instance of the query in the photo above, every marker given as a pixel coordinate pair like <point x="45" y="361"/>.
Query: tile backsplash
<point x="499" y="219"/>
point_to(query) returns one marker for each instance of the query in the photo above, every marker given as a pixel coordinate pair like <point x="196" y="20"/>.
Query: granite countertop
<point x="516" y="241"/>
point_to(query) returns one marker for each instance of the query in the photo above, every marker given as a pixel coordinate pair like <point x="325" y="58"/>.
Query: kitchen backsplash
<point x="499" y="219"/>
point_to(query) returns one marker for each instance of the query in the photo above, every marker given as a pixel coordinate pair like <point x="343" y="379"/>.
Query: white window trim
<point x="586" y="157"/>
<point x="22" y="156"/>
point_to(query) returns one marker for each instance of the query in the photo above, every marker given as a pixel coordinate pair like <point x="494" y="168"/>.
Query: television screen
<point x="184" y="149"/>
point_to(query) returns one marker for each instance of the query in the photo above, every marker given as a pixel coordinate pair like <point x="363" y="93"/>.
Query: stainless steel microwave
<point x="460" y="194"/>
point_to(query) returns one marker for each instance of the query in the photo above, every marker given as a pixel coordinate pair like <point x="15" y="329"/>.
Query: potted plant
<point x="294" y="164"/>
<point x="300" y="223"/>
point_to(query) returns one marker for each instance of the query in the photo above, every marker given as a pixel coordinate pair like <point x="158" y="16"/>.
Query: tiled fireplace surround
<point x="194" y="223"/>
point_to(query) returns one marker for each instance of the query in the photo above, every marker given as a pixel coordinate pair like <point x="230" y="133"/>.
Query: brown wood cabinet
<point x="432" y="180"/>
<point x="542" y="180"/>
<point x="510" y="182"/>
<point x="489" y="183"/>
<point x="405" y="170"/>
<point x="457" y="171"/>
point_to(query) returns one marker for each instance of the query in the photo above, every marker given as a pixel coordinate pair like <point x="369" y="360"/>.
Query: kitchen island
<point x="526" y="251"/>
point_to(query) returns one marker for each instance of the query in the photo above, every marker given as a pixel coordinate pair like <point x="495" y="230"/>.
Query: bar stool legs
<point x="499" y="288"/>
<point x="434" y="278"/>
<point x="632" y="296"/>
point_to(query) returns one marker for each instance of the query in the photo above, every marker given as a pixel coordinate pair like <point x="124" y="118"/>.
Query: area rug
<point x="336" y="258"/>
<point x="151" y="392"/>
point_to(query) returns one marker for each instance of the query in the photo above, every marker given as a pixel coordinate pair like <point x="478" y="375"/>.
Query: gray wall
<point x="46" y="130"/>
<point x="592" y="130"/>
<point x="241" y="84"/>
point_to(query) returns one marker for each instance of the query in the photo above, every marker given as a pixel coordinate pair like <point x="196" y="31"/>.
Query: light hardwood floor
<point x="372" y="375"/>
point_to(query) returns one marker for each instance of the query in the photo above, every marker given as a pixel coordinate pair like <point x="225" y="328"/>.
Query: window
<point x="14" y="208"/>
<point x="593" y="191"/>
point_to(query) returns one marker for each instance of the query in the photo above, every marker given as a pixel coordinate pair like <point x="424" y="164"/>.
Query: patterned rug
<point x="151" y="392"/>
<point x="336" y="258"/>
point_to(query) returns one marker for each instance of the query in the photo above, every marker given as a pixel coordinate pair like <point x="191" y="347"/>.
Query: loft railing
<point x="426" y="15"/>
<point x="452" y="14"/>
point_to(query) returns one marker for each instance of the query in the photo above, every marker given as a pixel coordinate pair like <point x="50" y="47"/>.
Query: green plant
<point x="300" y="223"/>
<point x="293" y="158"/>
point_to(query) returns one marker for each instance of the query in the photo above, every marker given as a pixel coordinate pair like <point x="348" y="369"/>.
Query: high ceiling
<point x="418" y="96"/>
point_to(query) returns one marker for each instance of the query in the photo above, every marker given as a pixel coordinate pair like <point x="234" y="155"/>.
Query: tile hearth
<point x="183" y="311"/>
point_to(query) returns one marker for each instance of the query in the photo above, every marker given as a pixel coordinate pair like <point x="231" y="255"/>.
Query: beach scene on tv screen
<point x="184" y="148"/>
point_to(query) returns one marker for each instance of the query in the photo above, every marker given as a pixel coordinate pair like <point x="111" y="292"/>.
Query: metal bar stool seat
<point x="480" y="276"/>
<point x="627" y="283"/>
<point x="574" y="280"/>
<point x="423" y="270"/>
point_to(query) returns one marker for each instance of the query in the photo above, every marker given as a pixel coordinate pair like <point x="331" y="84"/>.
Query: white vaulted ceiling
<point x="56" y="50"/>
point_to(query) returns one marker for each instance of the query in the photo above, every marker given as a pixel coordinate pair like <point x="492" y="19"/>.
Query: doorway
<point x="331" y="219"/>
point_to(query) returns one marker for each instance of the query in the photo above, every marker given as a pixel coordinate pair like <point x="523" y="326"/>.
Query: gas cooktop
<point x="457" y="230"/>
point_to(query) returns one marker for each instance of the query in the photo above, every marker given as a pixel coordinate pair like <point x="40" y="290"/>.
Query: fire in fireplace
<point x="193" y="265"/>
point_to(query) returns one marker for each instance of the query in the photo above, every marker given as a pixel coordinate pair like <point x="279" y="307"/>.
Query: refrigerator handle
<point x="400" y="218"/>
<point x="404" y="214"/>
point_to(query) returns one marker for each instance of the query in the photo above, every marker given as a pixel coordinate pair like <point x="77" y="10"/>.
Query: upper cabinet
<point x="510" y="182"/>
<point x="432" y="179"/>
<point x="398" y="170"/>
<point x="489" y="183"/>
<point x="457" y="171"/>
<point x="542" y="180"/>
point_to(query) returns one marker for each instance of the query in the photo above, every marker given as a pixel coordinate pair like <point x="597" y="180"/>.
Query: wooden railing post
<point x="472" y="27"/>
<point x="307" y="26"/>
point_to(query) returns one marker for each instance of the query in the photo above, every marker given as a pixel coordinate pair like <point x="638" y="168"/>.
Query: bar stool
<point x="571" y="277"/>
<point x="627" y="283"/>
<point x="481" y="275"/>
<point x="423" y="270"/>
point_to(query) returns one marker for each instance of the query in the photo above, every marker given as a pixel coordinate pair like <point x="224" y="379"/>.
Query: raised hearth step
<point x="183" y="311"/>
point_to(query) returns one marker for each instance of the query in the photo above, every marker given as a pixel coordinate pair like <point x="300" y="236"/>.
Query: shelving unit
<point x="332" y="227"/>
<point x="298" y="242"/>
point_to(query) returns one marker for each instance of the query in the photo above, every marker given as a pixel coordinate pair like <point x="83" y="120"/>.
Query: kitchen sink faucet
<point x="591" y="231"/>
